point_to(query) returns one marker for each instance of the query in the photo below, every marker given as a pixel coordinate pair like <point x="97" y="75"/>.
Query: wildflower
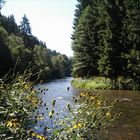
<point x="34" y="134"/>
<point x="108" y="114"/>
<point x="26" y="86"/>
<point x="77" y="125"/>
<point x="98" y="102"/>
<point x="13" y="123"/>
<point x="40" y="137"/>
<point x="51" y="113"/>
<point x="40" y="117"/>
<point x="33" y="91"/>
<point x="82" y="95"/>
<point x="93" y="97"/>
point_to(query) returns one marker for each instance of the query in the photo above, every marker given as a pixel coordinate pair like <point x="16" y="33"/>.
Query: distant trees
<point x="20" y="50"/>
<point x="106" y="39"/>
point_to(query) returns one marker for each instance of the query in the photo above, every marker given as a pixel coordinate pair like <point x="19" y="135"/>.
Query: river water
<point x="127" y="127"/>
<point x="59" y="90"/>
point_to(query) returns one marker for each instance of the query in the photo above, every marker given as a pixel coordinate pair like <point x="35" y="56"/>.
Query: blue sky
<point x="51" y="20"/>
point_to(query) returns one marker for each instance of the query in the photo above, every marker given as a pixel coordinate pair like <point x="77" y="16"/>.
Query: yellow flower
<point x="82" y="95"/>
<point x="77" y="125"/>
<point x="40" y="117"/>
<point x="26" y="86"/>
<point x="108" y="114"/>
<point x="13" y="123"/>
<point x="33" y="91"/>
<point x="9" y="124"/>
<point x="98" y="102"/>
<point x="93" y="97"/>
<point x="33" y="134"/>
<point x="51" y="113"/>
<point x="40" y="137"/>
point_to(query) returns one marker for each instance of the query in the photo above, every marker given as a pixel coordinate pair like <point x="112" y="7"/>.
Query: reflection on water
<point x="127" y="127"/>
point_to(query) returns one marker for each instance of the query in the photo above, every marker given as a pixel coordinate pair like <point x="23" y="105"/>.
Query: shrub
<point x="18" y="100"/>
<point x="87" y="121"/>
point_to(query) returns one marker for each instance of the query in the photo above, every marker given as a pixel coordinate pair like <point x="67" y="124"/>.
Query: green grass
<point x="92" y="84"/>
<point x="106" y="83"/>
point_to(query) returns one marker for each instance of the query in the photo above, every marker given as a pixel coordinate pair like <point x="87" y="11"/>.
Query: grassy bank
<point x="92" y="84"/>
<point x="105" y="83"/>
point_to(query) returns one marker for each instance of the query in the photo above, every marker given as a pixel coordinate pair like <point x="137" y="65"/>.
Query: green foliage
<point x="84" y="45"/>
<point x="18" y="101"/>
<point x="21" y="56"/>
<point x="19" y="50"/>
<point x="106" y="39"/>
<point x="5" y="56"/>
<point x="42" y="61"/>
<point x="92" y="84"/>
<point x="90" y="117"/>
<point x="106" y="83"/>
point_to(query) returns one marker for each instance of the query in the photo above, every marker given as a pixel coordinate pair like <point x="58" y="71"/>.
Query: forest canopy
<point x="106" y="39"/>
<point x="20" y="50"/>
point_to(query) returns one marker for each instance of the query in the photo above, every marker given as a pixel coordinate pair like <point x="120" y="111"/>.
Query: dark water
<point x="127" y="127"/>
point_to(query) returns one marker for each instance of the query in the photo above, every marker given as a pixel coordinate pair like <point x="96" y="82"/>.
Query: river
<point x="59" y="90"/>
<point x="127" y="127"/>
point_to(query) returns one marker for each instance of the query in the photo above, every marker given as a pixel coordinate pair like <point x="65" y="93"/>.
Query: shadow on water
<point x="126" y="127"/>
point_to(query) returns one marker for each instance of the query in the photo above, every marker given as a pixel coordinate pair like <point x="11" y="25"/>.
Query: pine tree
<point x="85" y="44"/>
<point x="131" y="40"/>
<point x="104" y="36"/>
<point x="12" y="26"/>
<point x="25" y="26"/>
<point x="82" y="4"/>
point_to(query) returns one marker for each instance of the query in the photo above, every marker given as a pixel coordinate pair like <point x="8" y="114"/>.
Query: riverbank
<point x="128" y="102"/>
<point x="105" y="83"/>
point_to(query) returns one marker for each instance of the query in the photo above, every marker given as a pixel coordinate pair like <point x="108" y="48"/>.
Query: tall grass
<point x="92" y="84"/>
<point x="120" y="83"/>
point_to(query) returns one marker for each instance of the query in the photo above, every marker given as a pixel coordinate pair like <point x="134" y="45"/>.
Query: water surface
<point x="127" y="127"/>
<point x="59" y="90"/>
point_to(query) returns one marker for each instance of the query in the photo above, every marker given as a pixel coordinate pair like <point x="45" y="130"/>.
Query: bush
<point x="18" y="100"/>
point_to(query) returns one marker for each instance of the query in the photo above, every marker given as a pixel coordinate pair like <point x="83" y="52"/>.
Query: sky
<point x="51" y="20"/>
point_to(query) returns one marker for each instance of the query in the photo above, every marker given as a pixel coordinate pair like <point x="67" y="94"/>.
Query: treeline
<point x="106" y="39"/>
<point x="20" y="50"/>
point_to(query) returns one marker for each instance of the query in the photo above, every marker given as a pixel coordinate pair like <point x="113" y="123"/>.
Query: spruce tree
<point x="131" y="40"/>
<point x="85" y="44"/>
<point x="25" y="26"/>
